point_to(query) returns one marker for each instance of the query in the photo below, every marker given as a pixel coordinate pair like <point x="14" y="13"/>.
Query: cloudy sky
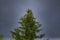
<point x="47" y="13"/>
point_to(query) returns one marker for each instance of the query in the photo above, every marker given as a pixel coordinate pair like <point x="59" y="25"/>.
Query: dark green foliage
<point x="1" y="37"/>
<point x="29" y="28"/>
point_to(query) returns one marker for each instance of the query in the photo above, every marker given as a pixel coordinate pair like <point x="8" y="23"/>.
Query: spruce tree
<point x="28" y="28"/>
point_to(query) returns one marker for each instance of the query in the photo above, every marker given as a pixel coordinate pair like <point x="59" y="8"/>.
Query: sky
<point x="47" y="13"/>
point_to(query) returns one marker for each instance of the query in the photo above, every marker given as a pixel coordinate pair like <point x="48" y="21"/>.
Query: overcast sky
<point x="47" y="13"/>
